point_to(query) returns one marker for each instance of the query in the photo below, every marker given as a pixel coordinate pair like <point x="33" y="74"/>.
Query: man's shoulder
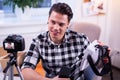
<point x="41" y="36"/>
<point x="76" y="34"/>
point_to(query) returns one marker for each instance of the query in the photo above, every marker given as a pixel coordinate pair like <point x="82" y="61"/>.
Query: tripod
<point x="12" y="61"/>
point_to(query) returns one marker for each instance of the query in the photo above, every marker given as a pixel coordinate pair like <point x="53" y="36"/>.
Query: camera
<point x="14" y="43"/>
<point x="98" y="58"/>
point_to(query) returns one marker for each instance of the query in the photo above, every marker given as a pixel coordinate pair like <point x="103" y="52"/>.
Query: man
<point x="58" y="47"/>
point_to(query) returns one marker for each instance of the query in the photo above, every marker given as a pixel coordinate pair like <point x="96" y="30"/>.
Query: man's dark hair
<point x="62" y="8"/>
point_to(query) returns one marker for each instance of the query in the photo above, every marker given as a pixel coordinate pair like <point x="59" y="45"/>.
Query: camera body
<point x="14" y="43"/>
<point x="97" y="56"/>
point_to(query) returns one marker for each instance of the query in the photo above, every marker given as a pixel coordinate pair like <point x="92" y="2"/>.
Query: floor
<point x="116" y="74"/>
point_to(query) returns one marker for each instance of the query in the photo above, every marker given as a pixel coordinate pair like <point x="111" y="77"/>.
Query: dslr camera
<point x="14" y="43"/>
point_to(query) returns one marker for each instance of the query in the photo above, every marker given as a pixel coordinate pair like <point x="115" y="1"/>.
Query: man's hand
<point x="105" y="59"/>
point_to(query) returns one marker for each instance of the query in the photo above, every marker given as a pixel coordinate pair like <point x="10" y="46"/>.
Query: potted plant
<point x="22" y="3"/>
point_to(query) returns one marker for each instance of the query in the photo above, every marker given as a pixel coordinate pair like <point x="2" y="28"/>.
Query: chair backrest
<point x="89" y="29"/>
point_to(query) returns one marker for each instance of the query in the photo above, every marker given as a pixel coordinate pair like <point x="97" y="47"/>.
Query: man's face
<point x="57" y="25"/>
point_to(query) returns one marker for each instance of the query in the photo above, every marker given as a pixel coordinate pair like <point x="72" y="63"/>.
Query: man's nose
<point x="56" y="27"/>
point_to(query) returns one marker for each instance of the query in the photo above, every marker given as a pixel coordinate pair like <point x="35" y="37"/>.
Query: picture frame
<point x="94" y="7"/>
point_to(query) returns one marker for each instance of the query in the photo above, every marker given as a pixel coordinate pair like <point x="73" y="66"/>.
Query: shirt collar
<point x="65" y="40"/>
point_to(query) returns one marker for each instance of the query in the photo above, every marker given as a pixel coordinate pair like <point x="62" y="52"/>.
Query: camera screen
<point x="9" y="45"/>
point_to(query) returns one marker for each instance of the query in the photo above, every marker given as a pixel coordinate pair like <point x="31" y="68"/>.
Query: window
<point x="8" y="9"/>
<point x="0" y="4"/>
<point x="46" y="3"/>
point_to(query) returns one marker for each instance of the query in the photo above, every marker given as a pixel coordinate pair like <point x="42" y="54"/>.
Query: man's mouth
<point x="55" y="33"/>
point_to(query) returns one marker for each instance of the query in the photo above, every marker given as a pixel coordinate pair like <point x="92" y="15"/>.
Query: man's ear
<point x="68" y="25"/>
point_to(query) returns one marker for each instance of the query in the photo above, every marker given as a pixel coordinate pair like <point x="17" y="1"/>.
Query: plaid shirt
<point x="55" y="56"/>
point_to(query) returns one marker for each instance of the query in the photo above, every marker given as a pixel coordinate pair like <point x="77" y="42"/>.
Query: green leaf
<point x="22" y="3"/>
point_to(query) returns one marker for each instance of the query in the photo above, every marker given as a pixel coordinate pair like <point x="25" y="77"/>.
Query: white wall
<point x="114" y="27"/>
<point x="112" y="31"/>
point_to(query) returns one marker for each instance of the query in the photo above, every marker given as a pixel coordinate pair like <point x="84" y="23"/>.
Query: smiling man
<point x="58" y="47"/>
<point x="58" y="24"/>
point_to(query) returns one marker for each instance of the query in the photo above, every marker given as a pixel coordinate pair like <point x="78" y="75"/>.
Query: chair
<point x="93" y="33"/>
<point x="39" y="69"/>
<point x="91" y="30"/>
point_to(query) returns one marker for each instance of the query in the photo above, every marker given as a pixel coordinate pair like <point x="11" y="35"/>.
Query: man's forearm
<point x="30" y="74"/>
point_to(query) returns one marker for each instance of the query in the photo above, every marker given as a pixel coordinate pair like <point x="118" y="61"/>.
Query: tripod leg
<point x="9" y="68"/>
<point x="19" y="72"/>
<point x="10" y="65"/>
<point x="5" y="76"/>
<point x="10" y="74"/>
<point x="10" y="77"/>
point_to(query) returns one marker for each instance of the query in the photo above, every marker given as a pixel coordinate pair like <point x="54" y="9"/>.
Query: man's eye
<point x="61" y="24"/>
<point x="53" y="22"/>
